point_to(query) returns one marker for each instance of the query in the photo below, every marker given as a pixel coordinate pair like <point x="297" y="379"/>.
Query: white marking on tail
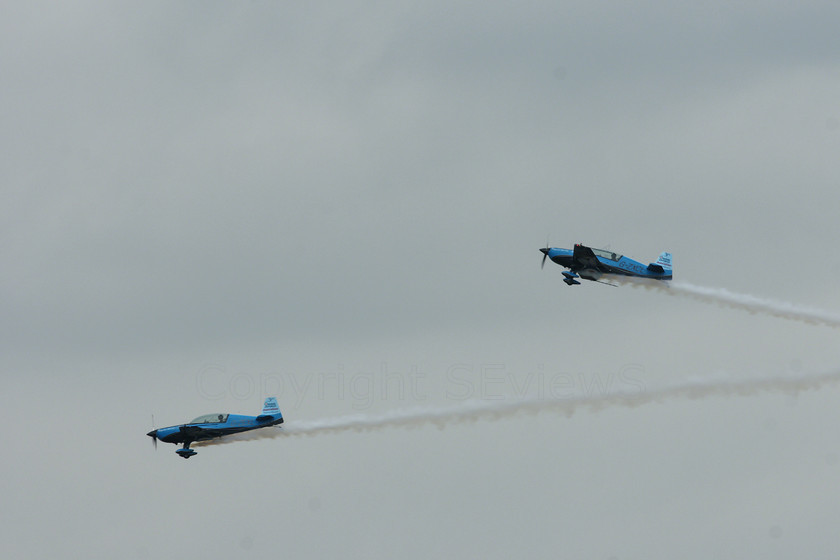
<point x="270" y="406"/>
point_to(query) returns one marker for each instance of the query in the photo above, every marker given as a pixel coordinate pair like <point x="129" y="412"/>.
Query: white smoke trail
<point x="471" y="411"/>
<point x="747" y="302"/>
<point x="491" y="410"/>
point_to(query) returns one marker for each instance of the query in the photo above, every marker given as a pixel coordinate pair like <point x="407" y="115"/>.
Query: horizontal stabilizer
<point x="268" y="417"/>
<point x="653" y="267"/>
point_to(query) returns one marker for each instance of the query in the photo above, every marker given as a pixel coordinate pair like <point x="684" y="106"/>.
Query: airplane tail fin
<point x="662" y="267"/>
<point x="270" y="411"/>
<point x="665" y="261"/>
<point x="270" y="406"/>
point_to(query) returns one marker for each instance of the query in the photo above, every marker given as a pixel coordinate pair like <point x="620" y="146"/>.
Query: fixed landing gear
<point x="570" y="278"/>
<point x="185" y="451"/>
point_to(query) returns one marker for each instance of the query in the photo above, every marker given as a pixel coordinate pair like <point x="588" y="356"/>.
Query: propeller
<point x="153" y="433"/>
<point x="545" y="254"/>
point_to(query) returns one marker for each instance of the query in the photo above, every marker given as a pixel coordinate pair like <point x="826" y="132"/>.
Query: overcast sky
<point x="341" y="204"/>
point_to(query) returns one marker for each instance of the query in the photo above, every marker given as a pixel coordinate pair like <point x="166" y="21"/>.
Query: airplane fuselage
<point x="212" y="426"/>
<point x="235" y="423"/>
<point x="593" y="264"/>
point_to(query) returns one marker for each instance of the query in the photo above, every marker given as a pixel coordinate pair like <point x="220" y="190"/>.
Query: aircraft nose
<point x="153" y="434"/>
<point x="544" y="250"/>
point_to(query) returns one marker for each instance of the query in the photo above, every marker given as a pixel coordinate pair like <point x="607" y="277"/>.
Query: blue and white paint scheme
<point x="211" y="426"/>
<point x="596" y="264"/>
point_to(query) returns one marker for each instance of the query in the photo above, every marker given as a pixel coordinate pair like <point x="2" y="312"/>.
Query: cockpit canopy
<point x="604" y="254"/>
<point x="211" y="419"/>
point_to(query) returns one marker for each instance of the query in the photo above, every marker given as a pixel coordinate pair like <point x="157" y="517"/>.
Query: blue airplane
<point x="595" y="264"/>
<point x="211" y="426"/>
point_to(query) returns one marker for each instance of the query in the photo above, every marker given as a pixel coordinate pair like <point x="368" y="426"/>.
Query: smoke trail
<point x="471" y="411"/>
<point x="746" y="302"/>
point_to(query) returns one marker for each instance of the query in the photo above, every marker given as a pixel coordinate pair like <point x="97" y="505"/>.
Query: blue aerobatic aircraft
<point x="211" y="426"/>
<point x="595" y="264"/>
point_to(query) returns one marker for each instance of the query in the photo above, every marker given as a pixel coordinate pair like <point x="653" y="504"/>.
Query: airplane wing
<point x="197" y="433"/>
<point x="585" y="258"/>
